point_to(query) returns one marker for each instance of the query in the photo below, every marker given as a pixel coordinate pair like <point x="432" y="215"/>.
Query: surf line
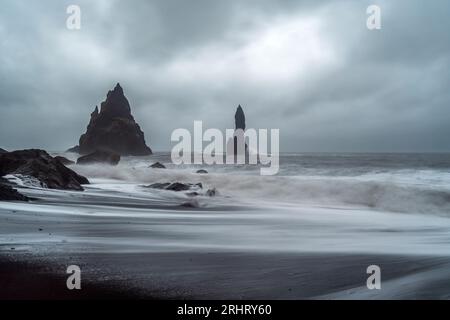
<point x="238" y="147"/>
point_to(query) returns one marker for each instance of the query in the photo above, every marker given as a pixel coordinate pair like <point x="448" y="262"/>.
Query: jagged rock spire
<point x="118" y="88"/>
<point x="116" y="104"/>
<point x="239" y="118"/>
<point x="114" y="128"/>
<point x="95" y="112"/>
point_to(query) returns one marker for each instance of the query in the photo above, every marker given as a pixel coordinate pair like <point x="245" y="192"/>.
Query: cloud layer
<point x="310" y="68"/>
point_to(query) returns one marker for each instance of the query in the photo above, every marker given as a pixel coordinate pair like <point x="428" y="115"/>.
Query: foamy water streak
<point x="406" y="190"/>
<point x="309" y="208"/>
<point x="108" y="220"/>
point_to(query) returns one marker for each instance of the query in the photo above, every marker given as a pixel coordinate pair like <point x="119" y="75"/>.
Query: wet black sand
<point x="225" y="275"/>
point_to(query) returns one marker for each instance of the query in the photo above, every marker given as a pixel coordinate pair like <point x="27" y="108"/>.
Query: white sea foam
<point x="421" y="192"/>
<point x="25" y="181"/>
<point x="304" y="211"/>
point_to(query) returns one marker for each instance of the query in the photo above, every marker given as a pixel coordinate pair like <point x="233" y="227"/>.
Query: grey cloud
<point x="181" y="61"/>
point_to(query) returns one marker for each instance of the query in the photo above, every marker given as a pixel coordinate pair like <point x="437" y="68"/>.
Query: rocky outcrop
<point x="3" y="151"/>
<point x="195" y="189"/>
<point x="113" y="128"/>
<point x="176" y="186"/>
<point x="211" y="192"/>
<point x="7" y="193"/>
<point x="158" y="185"/>
<point x="40" y="165"/>
<point x="158" y="165"/>
<point x="239" y="118"/>
<point x="100" y="156"/>
<point x="75" y="149"/>
<point x="64" y="160"/>
<point x="190" y="204"/>
<point x="233" y="145"/>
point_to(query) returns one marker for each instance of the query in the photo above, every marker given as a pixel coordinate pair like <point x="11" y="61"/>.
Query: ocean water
<point x="408" y="183"/>
<point x="345" y="203"/>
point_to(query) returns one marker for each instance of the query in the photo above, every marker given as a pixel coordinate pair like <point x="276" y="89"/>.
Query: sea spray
<point x="374" y="191"/>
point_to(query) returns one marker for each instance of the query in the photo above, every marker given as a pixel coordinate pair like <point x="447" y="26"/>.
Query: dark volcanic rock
<point x="158" y="165"/>
<point x="211" y="192"/>
<point x="190" y="204"/>
<point x="39" y="164"/>
<point x="114" y="128"/>
<point x="75" y="149"/>
<point x="176" y="186"/>
<point x="202" y="171"/>
<point x="64" y="160"/>
<point x="239" y="118"/>
<point x="100" y="156"/>
<point x="8" y="193"/>
<point x="234" y="144"/>
<point x="159" y="185"/>
<point x="193" y="188"/>
<point x="3" y="150"/>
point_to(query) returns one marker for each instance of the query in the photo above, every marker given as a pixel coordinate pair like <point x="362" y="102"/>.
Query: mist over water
<point x="342" y="203"/>
<point x="406" y="183"/>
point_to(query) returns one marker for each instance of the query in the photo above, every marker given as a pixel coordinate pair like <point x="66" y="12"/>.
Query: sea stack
<point x="239" y="118"/>
<point x="237" y="145"/>
<point x="113" y="128"/>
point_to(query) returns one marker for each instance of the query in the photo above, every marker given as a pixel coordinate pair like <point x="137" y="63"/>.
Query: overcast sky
<point x="310" y="68"/>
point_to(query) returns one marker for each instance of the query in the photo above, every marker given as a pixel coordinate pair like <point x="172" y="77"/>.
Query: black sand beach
<point x="181" y="275"/>
<point x="284" y="237"/>
<point x="130" y="247"/>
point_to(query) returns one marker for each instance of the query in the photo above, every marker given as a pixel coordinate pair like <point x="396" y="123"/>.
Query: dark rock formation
<point x="211" y="192"/>
<point x="193" y="188"/>
<point x="75" y="149"/>
<point x="114" y="128"/>
<point x="233" y="143"/>
<point x="239" y="118"/>
<point x="8" y="193"/>
<point x="64" y="160"/>
<point x="159" y="185"/>
<point x="3" y="150"/>
<point x="190" y="204"/>
<point x="39" y="164"/>
<point x="100" y="156"/>
<point x="176" y="186"/>
<point x="202" y="171"/>
<point x="158" y="165"/>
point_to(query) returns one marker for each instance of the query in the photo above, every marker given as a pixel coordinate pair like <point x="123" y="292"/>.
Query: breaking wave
<point x="376" y="192"/>
<point x="25" y="181"/>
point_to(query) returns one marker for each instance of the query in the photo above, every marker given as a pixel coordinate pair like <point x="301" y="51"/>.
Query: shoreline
<point x="226" y="275"/>
<point x="27" y="280"/>
<point x="133" y="242"/>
